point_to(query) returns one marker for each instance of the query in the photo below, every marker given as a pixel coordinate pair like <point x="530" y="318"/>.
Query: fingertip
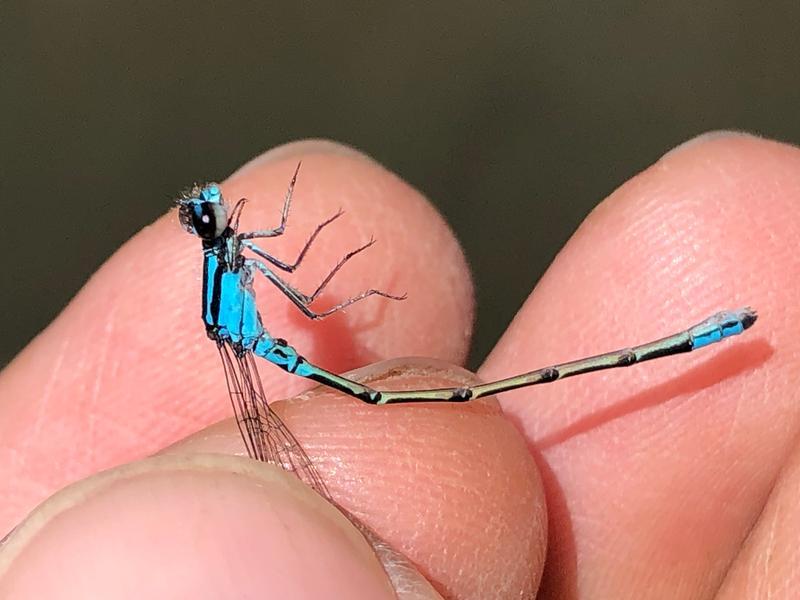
<point x="706" y="138"/>
<point x="204" y="526"/>
<point x="130" y="353"/>
<point x="452" y="486"/>
<point x="299" y="149"/>
<point x="708" y="227"/>
<point x="712" y="225"/>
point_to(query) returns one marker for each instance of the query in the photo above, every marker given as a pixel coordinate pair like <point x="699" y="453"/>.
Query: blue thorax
<point x="229" y="302"/>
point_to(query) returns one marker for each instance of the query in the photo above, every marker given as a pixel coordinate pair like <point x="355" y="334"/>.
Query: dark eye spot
<point x="206" y="220"/>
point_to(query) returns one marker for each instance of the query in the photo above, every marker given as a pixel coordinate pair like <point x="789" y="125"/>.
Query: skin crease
<point x="670" y="480"/>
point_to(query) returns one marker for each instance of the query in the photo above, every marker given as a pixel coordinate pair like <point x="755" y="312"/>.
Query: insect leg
<point x="290" y="268"/>
<point x="302" y="300"/>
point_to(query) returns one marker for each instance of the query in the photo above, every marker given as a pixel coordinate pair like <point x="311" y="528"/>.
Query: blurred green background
<point x="514" y="118"/>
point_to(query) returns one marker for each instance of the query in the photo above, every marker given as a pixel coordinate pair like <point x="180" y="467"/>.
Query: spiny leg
<point x="302" y="300"/>
<point x="290" y="268"/>
<point x="236" y="213"/>
<point x="268" y="233"/>
<point x="714" y="329"/>
<point x="362" y="295"/>
<point x="354" y="299"/>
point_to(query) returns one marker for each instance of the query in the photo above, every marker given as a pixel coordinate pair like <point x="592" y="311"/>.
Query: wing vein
<point x="265" y="435"/>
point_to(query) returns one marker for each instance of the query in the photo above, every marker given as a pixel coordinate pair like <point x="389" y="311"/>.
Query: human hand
<point x="653" y="476"/>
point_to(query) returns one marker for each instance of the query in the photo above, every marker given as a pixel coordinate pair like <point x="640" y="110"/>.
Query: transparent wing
<point x="266" y="437"/>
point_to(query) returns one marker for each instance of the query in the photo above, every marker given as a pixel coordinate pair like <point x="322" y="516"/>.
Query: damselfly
<point x="232" y="320"/>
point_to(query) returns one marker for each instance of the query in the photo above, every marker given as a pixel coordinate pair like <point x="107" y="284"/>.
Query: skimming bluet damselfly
<point x="232" y="320"/>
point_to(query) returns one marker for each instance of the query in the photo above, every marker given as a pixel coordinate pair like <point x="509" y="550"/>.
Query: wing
<point x="266" y="437"/>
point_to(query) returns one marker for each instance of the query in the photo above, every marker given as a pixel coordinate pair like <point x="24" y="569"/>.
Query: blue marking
<point x="263" y="345"/>
<point x="238" y="319"/>
<point x="238" y="316"/>
<point x="721" y="325"/>
<point x="281" y="355"/>
<point x="704" y="338"/>
<point x="732" y="328"/>
<point x="304" y="369"/>
<point x="211" y="194"/>
<point x="231" y="306"/>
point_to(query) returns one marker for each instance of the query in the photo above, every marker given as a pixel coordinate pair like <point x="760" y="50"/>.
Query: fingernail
<point x="405" y="578"/>
<point x="707" y="137"/>
<point x="429" y="371"/>
<point x="202" y="526"/>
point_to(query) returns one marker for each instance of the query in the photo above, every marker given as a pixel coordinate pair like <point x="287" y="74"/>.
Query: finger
<point x="201" y="527"/>
<point x="767" y="565"/>
<point x="451" y="486"/>
<point x="127" y="368"/>
<point x="655" y="475"/>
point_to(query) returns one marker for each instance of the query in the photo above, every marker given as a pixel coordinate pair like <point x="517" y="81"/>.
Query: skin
<point x="677" y="479"/>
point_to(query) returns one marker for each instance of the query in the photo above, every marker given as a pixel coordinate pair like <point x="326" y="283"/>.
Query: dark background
<point x="514" y="118"/>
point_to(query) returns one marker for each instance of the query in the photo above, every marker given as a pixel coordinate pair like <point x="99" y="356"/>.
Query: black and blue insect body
<point x="233" y="321"/>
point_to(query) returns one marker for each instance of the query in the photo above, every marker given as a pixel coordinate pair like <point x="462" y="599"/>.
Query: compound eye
<point x="206" y="220"/>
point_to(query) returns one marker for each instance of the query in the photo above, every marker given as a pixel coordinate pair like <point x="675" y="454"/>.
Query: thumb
<point x="199" y="526"/>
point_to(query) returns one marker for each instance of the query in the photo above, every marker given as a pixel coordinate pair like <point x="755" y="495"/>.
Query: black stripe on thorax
<point x="217" y="250"/>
